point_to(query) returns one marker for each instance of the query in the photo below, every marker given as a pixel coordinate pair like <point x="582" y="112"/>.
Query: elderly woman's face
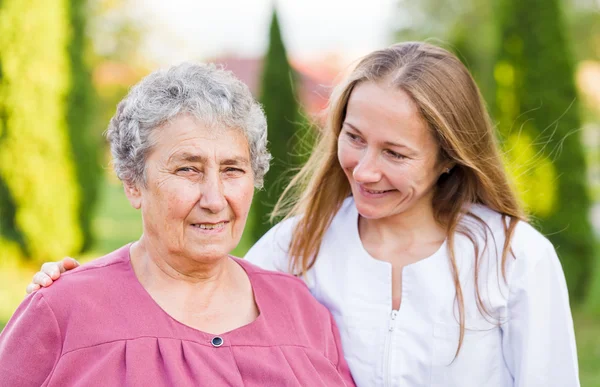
<point x="199" y="187"/>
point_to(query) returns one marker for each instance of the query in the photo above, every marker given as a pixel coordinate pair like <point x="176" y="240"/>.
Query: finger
<point x="51" y="269"/>
<point x="32" y="288"/>
<point x="67" y="264"/>
<point x="42" y="279"/>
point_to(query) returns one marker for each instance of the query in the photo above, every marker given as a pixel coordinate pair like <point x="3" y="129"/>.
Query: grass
<point x="587" y="332"/>
<point x="117" y="223"/>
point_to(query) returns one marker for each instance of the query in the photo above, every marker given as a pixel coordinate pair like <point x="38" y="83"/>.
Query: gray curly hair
<point x="214" y="96"/>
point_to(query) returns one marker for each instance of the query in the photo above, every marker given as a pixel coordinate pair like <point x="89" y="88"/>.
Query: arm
<point x="538" y="338"/>
<point x="30" y="344"/>
<point x="336" y="354"/>
<point x="49" y="272"/>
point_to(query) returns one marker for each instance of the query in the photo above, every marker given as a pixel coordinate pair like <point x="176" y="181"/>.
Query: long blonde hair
<point x="450" y="102"/>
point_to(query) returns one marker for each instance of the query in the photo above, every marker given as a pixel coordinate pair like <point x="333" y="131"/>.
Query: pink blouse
<point x="97" y="326"/>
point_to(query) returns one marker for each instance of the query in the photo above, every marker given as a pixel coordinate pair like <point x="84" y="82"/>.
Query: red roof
<point x="314" y="86"/>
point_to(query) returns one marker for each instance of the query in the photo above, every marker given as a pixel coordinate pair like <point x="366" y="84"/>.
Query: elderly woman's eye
<point x="233" y="170"/>
<point x="186" y="169"/>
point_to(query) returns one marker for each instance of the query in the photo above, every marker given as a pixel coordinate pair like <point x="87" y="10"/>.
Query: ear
<point x="134" y="195"/>
<point x="447" y="167"/>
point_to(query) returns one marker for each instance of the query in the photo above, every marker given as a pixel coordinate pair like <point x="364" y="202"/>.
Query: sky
<point x="200" y="29"/>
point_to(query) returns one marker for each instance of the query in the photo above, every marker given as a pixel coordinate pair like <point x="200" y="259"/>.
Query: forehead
<point x="186" y="134"/>
<point x="386" y="112"/>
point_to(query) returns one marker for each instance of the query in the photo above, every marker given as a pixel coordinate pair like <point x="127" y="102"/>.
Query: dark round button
<point x="216" y="341"/>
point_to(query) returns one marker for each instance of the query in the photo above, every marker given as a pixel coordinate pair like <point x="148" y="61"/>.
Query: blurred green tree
<point x="584" y="28"/>
<point x="465" y="27"/>
<point x="538" y="114"/>
<point x="279" y="100"/>
<point x="86" y="144"/>
<point x="41" y="194"/>
<point x="469" y="28"/>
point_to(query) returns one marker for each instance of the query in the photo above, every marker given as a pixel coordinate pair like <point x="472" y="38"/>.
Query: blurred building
<point x="315" y="79"/>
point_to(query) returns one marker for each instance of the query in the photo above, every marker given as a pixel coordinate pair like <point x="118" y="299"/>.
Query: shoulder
<point x="346" y="215"/>
<point x="275" y="279"/>
<point x="288" y="306"/>
<point x="271" y="250"/>
<point x="529" y="247"/>
<point x="279" y="287"/>
<point x="524" y="236"/>
<point x="89" y="279"/>
<point x="113" y="261"/>
<point x="280" y="235"/>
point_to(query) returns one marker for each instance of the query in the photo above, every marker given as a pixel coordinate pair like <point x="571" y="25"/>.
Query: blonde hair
<point x="450" y="102"/>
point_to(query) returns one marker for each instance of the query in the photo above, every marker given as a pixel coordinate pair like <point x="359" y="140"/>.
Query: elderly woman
<point x="173" y="308"/>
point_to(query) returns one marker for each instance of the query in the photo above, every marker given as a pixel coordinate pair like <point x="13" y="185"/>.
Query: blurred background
<point x="65" y="64"/>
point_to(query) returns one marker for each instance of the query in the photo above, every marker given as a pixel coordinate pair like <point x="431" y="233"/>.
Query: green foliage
<point x="8" y="229"/>
<point x="466" y="27"/>
<point x="536" y="106"/>
<point x="476" y="50"/>
<point x="116" y="222"/>
<point x="584" y="25"/>
<point x="35" y="164"/>
<point x="587" y="332"/>
<point x="524" y="167"/>
<point x="85" y="143"/>
<point x="593" y="297"/>
<point x="281" y="107"/>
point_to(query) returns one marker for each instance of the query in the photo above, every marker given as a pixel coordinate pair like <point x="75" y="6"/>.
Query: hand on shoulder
<point x="50" y="272"/>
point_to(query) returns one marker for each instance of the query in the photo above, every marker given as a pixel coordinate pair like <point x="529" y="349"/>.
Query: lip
<point x="372" y="195"/>
<point x="210" y="231"/>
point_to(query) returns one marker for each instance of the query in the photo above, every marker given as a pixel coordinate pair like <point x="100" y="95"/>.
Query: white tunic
<point x="529" y="341"/>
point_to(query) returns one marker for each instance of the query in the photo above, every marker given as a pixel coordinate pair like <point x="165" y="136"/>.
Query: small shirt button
<point x="216" y="341"/>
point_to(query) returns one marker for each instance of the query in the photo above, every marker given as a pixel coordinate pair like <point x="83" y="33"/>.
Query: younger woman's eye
<point x="395" y="155"/>
<point x="353" y="137"/>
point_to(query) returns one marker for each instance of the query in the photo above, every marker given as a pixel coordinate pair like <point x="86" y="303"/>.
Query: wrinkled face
<point x="199" y="187"/>
<point x="387" y="152"/>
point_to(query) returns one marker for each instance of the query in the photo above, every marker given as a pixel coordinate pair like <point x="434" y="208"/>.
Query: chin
<point x="209" y="253"/>
<point x="369" y="211"/>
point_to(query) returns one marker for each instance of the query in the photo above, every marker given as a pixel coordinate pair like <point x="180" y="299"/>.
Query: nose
<point x="367" y="169"/>
<point x="213" y="197"/>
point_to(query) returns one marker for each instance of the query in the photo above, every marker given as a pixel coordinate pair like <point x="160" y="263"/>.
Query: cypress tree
<point x="277" y="95"/>
<point x="8" y="229"/>
<point x="41" y="195"/>
<point x="537" y="109"/>
<point x="85" y="143"/>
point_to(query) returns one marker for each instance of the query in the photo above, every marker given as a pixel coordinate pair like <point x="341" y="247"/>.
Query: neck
<point x="417" y="225"/>
<point x="154" y="265"/>
<point x="214" y="296"/>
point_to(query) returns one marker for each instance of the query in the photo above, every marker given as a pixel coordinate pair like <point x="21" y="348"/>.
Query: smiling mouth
<point x="377" y="192"/>
<point x="374" y="191"/>
<point x="210" y="226"/>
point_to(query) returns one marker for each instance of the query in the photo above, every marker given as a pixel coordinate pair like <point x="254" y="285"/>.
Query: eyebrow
<point x="189" y="157"/>
<point x="388" y="143"/>
<point x="196" y="158"/>
<point x="236" y="161"/>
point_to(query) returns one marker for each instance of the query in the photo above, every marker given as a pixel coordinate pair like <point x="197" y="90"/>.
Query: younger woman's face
<point x="387" y="152"/>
